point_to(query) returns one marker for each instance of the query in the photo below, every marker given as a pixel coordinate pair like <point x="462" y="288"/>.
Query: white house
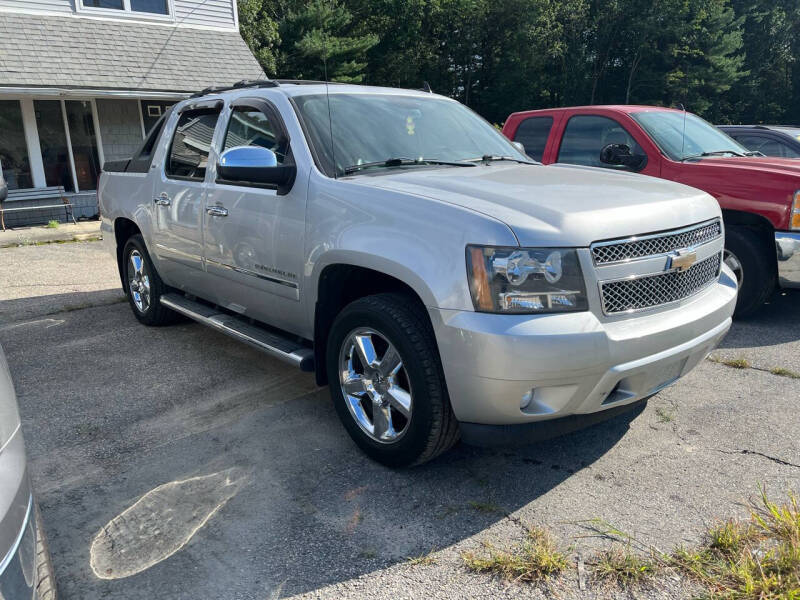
<point x="81" y="81"/>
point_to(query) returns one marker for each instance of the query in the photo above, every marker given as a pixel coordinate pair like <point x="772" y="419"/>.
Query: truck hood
<point x="557" y="205"/>
<point x="762" y="164"/>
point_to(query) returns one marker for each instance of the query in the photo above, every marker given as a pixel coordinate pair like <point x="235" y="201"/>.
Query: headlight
<point x="794" y="218"/>
<point x="525" y="280"/>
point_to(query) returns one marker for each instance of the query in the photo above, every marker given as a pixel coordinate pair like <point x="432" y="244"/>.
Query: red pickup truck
<point x="759" y="196"/>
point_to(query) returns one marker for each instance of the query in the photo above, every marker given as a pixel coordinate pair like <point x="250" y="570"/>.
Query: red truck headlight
<point x="794" y="218"/>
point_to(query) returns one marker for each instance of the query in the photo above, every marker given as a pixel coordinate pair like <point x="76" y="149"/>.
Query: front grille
<point x="652" y="245"/>
<point x="662" y="288"/>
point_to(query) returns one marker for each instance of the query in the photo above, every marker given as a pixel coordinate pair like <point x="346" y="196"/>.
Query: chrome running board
<point x="282" y="348"/>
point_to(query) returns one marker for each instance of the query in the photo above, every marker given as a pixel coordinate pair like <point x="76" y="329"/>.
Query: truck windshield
<point x="702" y="138"/>
<point x="385" y="128"/>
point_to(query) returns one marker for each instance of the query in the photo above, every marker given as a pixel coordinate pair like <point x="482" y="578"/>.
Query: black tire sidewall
<point x="424" y="390"/>
<point x="137" y="243"/>
<point x="758" y="271"/>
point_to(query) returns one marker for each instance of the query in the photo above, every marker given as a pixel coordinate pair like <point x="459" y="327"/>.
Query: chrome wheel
<point x="139" y="281"/>
<point x="735" y="265"/>
<point x="375" y="385"/>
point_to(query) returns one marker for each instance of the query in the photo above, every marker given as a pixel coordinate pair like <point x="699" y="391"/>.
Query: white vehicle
<point x="398" y="245"/>
<point x="25" y="567"/>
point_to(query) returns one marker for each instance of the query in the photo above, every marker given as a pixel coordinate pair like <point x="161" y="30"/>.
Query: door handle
<point x="217" y="211"/>
<point x="162" y="200"/>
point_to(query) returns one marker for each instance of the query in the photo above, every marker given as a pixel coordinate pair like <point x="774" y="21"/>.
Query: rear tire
<point x="424" y="426"/>
<point x="143" y="286"/>
<point x="754" y="266"/>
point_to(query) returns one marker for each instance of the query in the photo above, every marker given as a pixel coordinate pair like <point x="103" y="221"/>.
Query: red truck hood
<point x="757" y="163"/>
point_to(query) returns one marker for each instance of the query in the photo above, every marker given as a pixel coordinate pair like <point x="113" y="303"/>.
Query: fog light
<point x="526" y="399"/>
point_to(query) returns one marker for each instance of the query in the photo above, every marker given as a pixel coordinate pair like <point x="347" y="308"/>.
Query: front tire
<point x="387" y="383"/>
<point x="143" y="286"/>
<point x="753" y="263"/>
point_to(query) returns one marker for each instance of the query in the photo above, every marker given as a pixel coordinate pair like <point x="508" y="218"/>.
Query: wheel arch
<point x="754" y="222"/>
<point x="341" y="283"/>
<point x="124" y="229"/>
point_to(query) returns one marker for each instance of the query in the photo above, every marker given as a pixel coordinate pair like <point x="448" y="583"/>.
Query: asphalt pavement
<point x="177" y="463"/>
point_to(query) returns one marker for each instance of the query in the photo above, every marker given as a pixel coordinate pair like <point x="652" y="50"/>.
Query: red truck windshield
<point x="666" y="128"/>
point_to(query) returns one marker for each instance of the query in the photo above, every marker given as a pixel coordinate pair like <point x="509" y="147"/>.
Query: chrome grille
<point x="653" y="245"/>
<point x="662" y="288"/>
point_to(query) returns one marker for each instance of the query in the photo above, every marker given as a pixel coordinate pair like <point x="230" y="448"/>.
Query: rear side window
<point x="586" y="135"/>
<point x="188" y="153"/>
<point x="533" y="133"/>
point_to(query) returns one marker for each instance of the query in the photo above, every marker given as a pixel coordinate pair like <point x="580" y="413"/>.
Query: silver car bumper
<point x="517" y="369"/>
<point x="787" y="245"/>
<point x="18" y="572"/>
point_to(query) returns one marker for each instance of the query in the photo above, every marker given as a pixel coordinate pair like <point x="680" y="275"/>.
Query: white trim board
<point x="134" y="18"/>
<point x="86" y="94"/>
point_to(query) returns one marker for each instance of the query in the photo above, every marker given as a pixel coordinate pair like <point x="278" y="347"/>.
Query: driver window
<point x="251" y="127"/>
<point x="586" y="135"/>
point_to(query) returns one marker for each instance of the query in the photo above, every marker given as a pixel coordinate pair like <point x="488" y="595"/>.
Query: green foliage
<point x="728" y="60"/>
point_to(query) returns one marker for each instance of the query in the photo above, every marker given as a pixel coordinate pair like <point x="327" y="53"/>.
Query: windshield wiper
<point x="402" y="162"/>
<point x="487" y="158"/>
<point x="714" y="153"/>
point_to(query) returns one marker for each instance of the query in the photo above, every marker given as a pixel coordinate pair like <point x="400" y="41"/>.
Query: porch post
<point x="32" y="140"/>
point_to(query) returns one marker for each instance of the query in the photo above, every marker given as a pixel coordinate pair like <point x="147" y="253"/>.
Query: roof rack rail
<point x="304" y="82"/>
<point x="244" y="83"/>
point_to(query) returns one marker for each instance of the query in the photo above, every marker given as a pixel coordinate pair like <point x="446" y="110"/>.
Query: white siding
<point x="214" y="13"/>
<point x="57" y="6"/>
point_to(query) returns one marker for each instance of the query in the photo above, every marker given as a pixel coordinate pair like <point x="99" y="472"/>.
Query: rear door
<point x="533" y="133"/>
<point x="179" y="196"/>
<point x="254" y="233"/>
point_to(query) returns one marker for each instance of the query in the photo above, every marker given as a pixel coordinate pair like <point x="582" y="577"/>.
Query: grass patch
<point x="484" y="507"/>
<point x="733" y="363"/>
<point x="422" y="559"/>
<point x="620" y="565"/>
<point x="781" y="372"/>
<point x="736" y="363"/>
<point x="537" y="559"/>
<point x="52" y="224"/>
<point x="756" y="559"/>
<point x="664" y="415"/>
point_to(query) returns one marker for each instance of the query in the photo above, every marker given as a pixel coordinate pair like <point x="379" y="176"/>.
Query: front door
<point x="179" y="199"/>
<point x="254" y="233"/>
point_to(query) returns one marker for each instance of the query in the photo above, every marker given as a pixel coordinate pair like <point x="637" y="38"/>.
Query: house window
<point x="153" y="7"/>
<point x="14" y="159"/>
<point x="152" y="111"/>
<point x="53" y="141"/>
<point x="69" y="144"/>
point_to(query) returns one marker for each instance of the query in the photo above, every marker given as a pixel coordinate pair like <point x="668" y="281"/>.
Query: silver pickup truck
<point x="439" y="280"/>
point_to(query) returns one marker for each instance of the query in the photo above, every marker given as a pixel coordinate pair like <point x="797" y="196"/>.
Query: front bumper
<point x="510" y="369"/>
<point x="787" y="245"/>
<point x="18" y="527"/>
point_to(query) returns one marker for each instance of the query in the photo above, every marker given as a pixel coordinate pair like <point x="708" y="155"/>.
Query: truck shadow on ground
<point x="777" y="322"/>
<point x="148" y="409"/>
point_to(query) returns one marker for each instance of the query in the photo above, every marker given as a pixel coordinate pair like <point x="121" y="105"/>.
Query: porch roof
<point x="38" y="51"/>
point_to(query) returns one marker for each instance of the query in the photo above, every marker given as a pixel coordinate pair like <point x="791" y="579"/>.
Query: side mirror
<point x="519" y="146"/>
<point x="620" y="155"/>
<point x="3" y="188"/>
<point x="254" y="164"/>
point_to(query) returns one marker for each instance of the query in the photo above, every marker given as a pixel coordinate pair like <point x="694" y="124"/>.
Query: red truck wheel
<point x="754" y="265"/>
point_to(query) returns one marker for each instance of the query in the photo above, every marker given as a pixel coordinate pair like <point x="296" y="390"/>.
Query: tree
<point x="260" y="32"/>
<point x="709" y="59"/>
<point x="319" y="38"/>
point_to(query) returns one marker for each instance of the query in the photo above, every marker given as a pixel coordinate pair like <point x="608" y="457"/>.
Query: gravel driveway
<point x="176" y="463"/>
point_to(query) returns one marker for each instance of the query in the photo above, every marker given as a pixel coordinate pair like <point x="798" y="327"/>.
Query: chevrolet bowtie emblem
<point x="681" y="260"/>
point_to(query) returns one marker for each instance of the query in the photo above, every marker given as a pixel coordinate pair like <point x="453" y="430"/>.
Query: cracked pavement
<point x="112" y="410"/>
